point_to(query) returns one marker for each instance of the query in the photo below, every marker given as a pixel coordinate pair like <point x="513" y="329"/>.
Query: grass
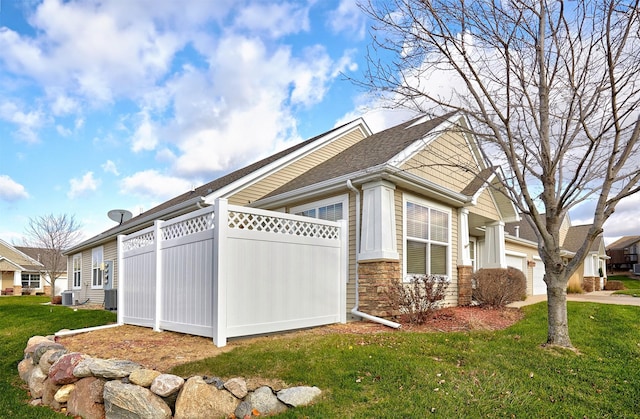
<point x="402" y="374"/>
<point x="632" y="285"/>
<point x="21" y="318"/>
<point x="488" y="374"/>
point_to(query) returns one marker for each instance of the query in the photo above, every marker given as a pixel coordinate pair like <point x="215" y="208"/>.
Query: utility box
<point x="67" y="298"/>
<point x="107" y="275"/>
<point x="111" y="299"/>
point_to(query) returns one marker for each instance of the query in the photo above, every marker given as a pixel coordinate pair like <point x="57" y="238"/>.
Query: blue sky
<point x="125" y="104"/>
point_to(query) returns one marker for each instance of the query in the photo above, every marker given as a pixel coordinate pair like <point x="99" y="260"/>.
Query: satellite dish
<point x="119" y="215"/>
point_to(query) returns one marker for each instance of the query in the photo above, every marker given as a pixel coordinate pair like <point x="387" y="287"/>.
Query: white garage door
<point x="517" y="262"/>
<point x="539" y="287"/>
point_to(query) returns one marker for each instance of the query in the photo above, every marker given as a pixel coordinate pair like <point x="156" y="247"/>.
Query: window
<point x="332" y="209"/>
<point x="30" y="281"/>
<point x="96" y="267"/>
<point x="77" y="271"/>
<point x="427" y="231"/>
<point x="472" y="252"/>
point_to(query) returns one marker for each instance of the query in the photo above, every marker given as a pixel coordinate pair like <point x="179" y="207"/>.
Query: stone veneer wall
<point x="93" y="388"/>
<point x="465" y="290"/>
<point x="374" y="279"/>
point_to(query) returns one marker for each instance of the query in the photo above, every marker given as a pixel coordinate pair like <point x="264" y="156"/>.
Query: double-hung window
<point x="96" y="267"/>
<point x="332" y="209"/>
<point x="77" y="271"/>
<point x="427" y="239"/>
<point x="30" y="280"/>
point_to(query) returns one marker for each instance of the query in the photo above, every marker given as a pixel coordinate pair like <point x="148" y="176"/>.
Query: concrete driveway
<point x="604" y="297"/>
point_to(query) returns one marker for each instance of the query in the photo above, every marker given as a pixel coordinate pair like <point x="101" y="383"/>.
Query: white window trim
<point x="473" y="243"/>
<point x="73" y="272"/>
<point x="100" y="264"/>
<point x="426" y="203"/>
<point x="340" y="199"/>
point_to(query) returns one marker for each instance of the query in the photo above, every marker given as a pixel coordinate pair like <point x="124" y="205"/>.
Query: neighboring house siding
<point x="433" y="162"/>
<point x="531" y="254"/>
<point x="295" y="169"/>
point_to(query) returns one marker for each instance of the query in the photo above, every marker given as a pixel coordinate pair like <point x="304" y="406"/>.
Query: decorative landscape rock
<point x="143" y="377"/>
<point x="166" y="384"/>
<point x="298" y="396"/>
<point x="87" y="398"/>
<point x="201" y="400"/>
<point x="132" y="401"/>
<point x="61" y="372"/>
<point x="105" y="368"/>
<point x="264" y="401"/>
<point x="95" y="388"/>
<point x="237" y="386"/>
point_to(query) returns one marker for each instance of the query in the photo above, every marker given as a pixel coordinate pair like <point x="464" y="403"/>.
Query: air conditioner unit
<point x="111" y="299"/>
<point x="636" y="268"/>
<point x="67" y="298"/>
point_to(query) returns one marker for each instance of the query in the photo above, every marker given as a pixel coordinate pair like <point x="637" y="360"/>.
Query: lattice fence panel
<point x="137" y="242"/>
<point x="187" y="227"/>
<point x="271" y="224"/>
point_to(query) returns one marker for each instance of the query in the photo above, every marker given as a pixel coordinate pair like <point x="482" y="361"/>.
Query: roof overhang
<point x="12" y="263"/>
<point x="138" y="224"/>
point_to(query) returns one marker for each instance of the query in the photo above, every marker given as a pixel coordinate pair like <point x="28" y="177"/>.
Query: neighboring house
<point x="411" y="207"/>
<point x="522" y="253"/>
<point x="624" y="253"/>
<point x="20" y="271"/>
<point x="39" y="255"/>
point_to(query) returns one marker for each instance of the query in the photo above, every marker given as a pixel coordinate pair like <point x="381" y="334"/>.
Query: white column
<point x="17" y="278"/>
<point x="221" y="226"/>
<point x="379" y="240"/>
<point x="494" y="251"/>
<point x="464" y="253"/>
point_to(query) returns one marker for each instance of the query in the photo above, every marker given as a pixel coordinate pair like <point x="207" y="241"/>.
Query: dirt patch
<point x="164" y="350"/>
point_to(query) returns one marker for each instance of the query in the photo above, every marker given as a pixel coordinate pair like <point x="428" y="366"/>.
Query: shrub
<point x="498" y="287"/>
<point x="418" y="298"/>
<point x="614" y="286"/>
<point x="574" y="288"/>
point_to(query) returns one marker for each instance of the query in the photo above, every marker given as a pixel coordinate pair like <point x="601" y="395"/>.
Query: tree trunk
<point x="557" y="311"/>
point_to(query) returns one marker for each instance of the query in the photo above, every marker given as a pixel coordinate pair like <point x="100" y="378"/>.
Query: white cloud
<point x="151" y="183"/>
<point x="64" y="132"/>
<point x="348" y="18"/>
<point x="10" y="190"/>
<point x="274" y="19"/>
<point x="145" y="137"/>
<point x="28" y="122"/>
<point x="110" y="167"/>
<point x="83" y="186"/>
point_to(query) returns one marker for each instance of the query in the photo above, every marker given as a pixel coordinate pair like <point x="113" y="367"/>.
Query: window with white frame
<point x="30" y="280"/>
<point x="332" y="209"/>
<point x="96" y="267"/>
<point x="472" y="253"/>
<point x="77" y="271"/>
<point x="427" y="239"/>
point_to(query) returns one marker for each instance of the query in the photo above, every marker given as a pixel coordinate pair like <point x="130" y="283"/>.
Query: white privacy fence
<point x="227" y="271"/>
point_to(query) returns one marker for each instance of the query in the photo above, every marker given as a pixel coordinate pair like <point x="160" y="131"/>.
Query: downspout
<point x="355" y="310"/>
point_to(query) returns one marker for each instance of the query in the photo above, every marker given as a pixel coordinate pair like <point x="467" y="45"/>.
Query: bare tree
<point x="53" y="234"/>
<point x="551" y="90"/>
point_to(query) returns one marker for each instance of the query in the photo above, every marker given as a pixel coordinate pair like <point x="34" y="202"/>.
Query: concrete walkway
<point x="604" y="297"/>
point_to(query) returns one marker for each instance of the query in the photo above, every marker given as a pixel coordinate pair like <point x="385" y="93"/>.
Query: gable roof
<point x="16" y="257"/>
<point x="575" y="237"/>
<point x="623" y="242"/>
<point x="372" y="151"/>
<point x="195" y="198"/>
<point x="37" y="253"/>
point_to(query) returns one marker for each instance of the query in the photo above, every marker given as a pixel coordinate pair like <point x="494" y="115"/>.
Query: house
<point x="522" y="253"/>
<point x="42" y="255"/>
<point x="410" y="195"/>
<point x="624" y="253"/>
<point x="21" y="271"/>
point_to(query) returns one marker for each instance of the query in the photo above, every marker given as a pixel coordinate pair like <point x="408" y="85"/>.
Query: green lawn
<point x="402" y="374"/>
<point x="632" y="285"/>
<point x="21" y="318"/>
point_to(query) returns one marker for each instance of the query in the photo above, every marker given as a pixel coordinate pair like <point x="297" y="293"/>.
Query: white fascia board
<point x="519" y="240"/>
<point x="138" y="225"/>
<point x="265" y="171"/>
<point x="383" y="171"/>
